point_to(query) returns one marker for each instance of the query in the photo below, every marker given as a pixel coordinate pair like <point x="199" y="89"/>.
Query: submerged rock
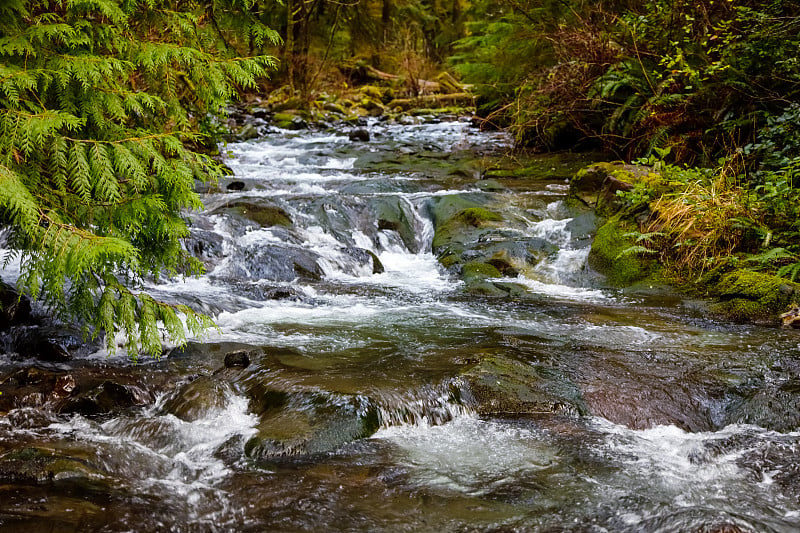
<point x="32" y="465"/>
<point x="198" y="399"/>
<point x="506" y="387"/>
<point x="309" y="423"/>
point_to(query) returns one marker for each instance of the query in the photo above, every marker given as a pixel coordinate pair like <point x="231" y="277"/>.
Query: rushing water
<point x="357" y="413"/>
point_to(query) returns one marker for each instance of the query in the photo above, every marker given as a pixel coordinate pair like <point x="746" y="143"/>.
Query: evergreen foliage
<point x="99" y="102"/>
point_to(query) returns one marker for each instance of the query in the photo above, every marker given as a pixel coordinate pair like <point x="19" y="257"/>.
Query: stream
<point x="356" y="384"/>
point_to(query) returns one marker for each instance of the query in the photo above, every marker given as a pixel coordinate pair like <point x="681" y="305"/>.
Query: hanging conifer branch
<point x="95" y="108"/>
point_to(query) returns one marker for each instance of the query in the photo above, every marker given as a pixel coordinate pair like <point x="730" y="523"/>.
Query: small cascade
<point x="427" y="406"/>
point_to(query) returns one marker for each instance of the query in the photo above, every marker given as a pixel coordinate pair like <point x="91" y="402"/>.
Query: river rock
<point x="359" y="134"/>
<point x="263" y="214"/>
<point x="773" y="403"/>
<point x="237" y="359"/>
<point x="392" y="214"/>
<point x="246" y="133"/>
<point x="108" y="397"/>
<point x="365" y="257"/>
<point x="506" y="387"/>
<point x="50" y="343"/>
<point x="197" y="399"/>
<point x="312" y="423"/>
<point x="14" y="309"/>
<point x="205" y="245"/>
<point x="41" y="465"/>
<point x="276" y="263"/>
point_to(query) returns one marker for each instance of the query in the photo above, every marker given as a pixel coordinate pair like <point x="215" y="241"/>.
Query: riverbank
<point x="656" y="231"/>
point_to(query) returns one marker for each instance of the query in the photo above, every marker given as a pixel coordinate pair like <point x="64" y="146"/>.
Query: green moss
<point x="263" y="215"/>
<point x="476" y="216"/>
<point x="478" y="270"/>
<point x="745" y="295"/>
<point x="607" y="254"/>
<point x="458" y="227"/>
<point x="372" y="91"/>
<point x="506" y="386"/>
<point x="449" y="260"/>
<point x="587" y="185"/>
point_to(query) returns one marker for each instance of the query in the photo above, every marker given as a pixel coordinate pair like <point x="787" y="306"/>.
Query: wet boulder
<point x="106" y="398"/>
<point x="33" y="465"/>
<point x="772" y="403"/>
<point x="54" y="343"/>
<point x="464" y="227"/>
<point x="359" y="135"/>
<point x="366" y="258"/>
<point x="14" y="308"/>
<point x="263" y="214"/>
<point x="506" y="387"/>
<point x="235" y="185"/>
<point x="310" y="423"/>
<point x="392" y="214"/>
<point x="237" y="359"/>
<point x="198" y="399"/>
<point x="276" y="263"/>
<point x="206" y="245"/>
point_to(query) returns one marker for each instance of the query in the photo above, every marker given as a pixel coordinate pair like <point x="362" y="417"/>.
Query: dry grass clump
<point x="704" y="223"/>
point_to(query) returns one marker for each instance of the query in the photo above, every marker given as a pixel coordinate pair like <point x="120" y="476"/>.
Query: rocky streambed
<point x="411" y="337"/>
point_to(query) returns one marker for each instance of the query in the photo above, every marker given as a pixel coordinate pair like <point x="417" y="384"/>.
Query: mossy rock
<point x="263" y="215"/>
<point x="40" y="465"/>
<point x="596" y="185"/>
<point x="450" y="260"/>
<point x="291" y="120"/>
<point x="608" y="256"/>
<point x="504" y="386"/>
<point x="753" y="296"/>
<point x="477" y="270"/>
<point x="372" y="92"/>
<point x="459" y="227"/>
<point x="311" y="423"/>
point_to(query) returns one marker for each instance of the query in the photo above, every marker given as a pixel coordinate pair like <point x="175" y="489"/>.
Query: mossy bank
<point x="635" y="246"/>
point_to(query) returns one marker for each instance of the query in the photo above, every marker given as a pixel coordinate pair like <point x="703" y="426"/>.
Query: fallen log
<point x="432" y="100"/>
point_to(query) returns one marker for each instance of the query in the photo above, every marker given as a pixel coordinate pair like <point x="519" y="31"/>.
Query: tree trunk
<point x="289" y="42"/>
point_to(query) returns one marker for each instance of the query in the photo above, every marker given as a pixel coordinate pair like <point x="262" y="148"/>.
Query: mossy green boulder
<point x="504" y="386"/>
<point x="460" y="227"/>
<point x="263" y="215"/>
<point x="610" y="254"/>
<point x="597" y="185"/>
<point x="744" y="295"/>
